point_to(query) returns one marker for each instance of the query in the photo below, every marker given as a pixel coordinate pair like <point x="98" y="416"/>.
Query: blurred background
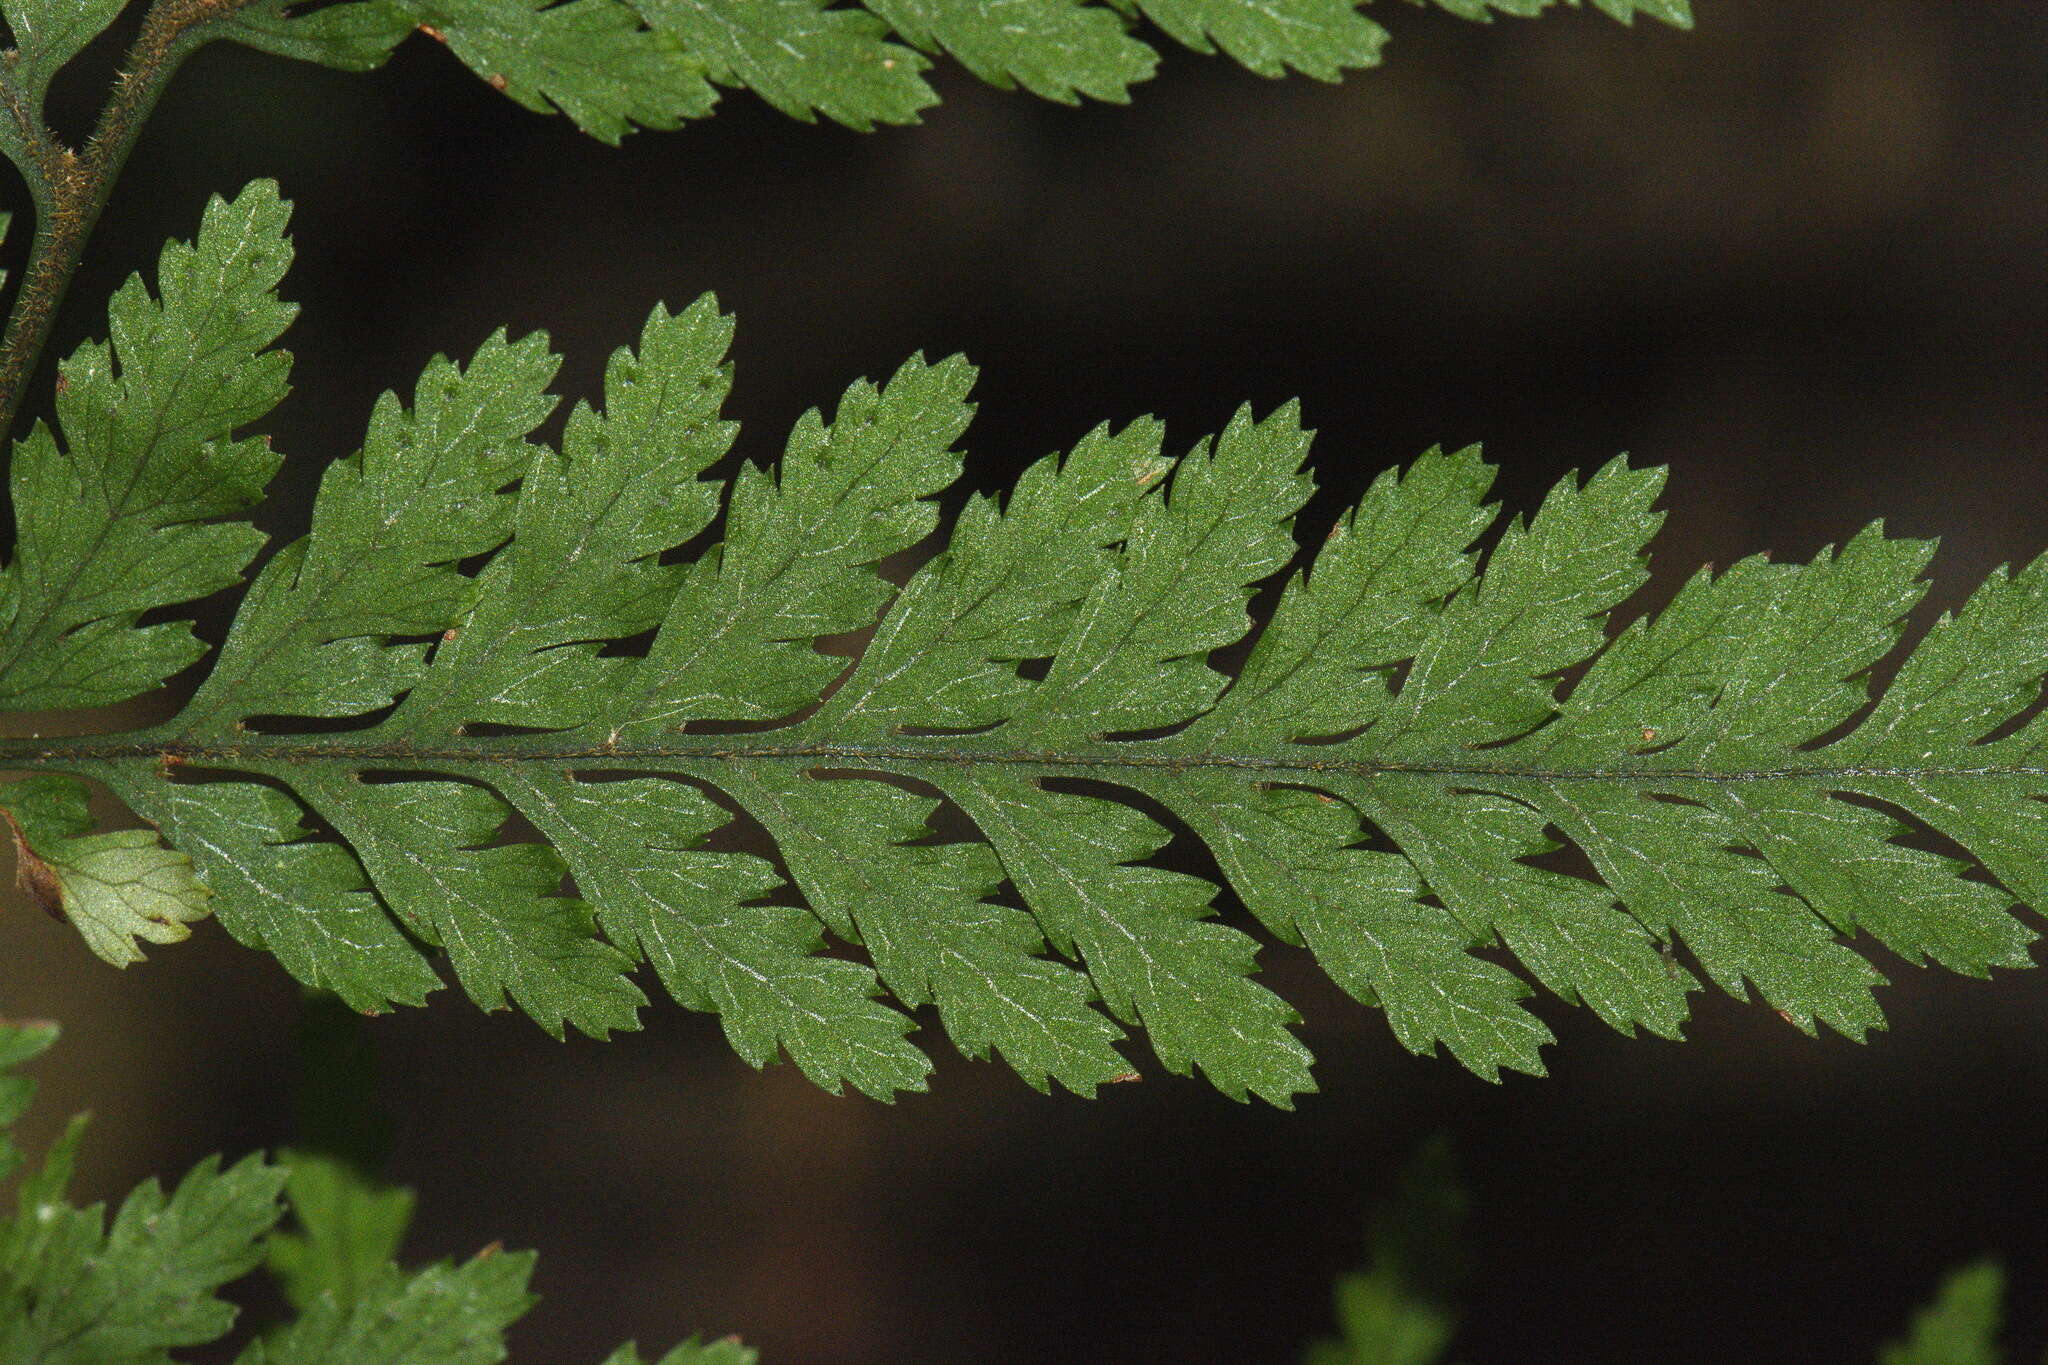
<point x="1800" y="256"/>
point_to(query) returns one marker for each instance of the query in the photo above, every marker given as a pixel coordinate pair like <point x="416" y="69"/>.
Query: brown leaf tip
<point x="34" y="876"/>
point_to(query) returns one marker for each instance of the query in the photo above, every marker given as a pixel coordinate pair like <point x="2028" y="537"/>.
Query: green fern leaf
<point x="280" y="890"/>
<point x="114" y="888"/>
<point x="19" y="1042"/>
<point x="47" y="34"/>
<point x="1961" y="1326"/>
<point x="1396" y="1311"/>
<point x="128" y="506"/>
<point x="805" y="57"/>
<point x="75" y="1291"/>
<point x="724" y="1351"/>
<point x="444" y="1314"/>
<point x="497" y="710"/>
<point x="1056" y="49"/>
<point x="348" y="37"/>
<point x="614" y="64"/>
<point x="1483" y="11"/>
<point x="1319" y="38"/>
<point x="591" y="59"/>
<point x="1677" y="13"/>
<point x="350" y="1227"/>
<point x="118" y="887"/>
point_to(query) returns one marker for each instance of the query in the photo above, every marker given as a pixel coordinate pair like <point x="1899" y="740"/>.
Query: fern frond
<point x="1397" y="1309"/>
<point x="1960" y="1327"/>
<point x="483" y="635"/>
<point x="445" y="1314"/>
<point x="75" y="1290"/>
<point x="19" y="1042"/>
<point x="349" y="1229"/>
<point x="612" y="65"/>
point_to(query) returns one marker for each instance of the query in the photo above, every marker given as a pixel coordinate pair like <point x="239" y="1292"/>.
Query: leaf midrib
<point x="31" y="753"/>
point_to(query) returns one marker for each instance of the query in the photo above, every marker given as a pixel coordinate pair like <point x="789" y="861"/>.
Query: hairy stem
<point x="70" y="188"/>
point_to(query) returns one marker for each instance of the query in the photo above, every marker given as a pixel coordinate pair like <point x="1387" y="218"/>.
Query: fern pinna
<point x="479" y="625"/>
<point x="79" y="1289"/>
<point x="613" y="65"/>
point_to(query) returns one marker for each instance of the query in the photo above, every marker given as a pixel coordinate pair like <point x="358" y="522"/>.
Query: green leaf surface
<point x="114" y="888"/>
<point x="612" y="65"/>
<point x="1056" y="49"/>
<point x="43" y="810"/>
<point x="1143" y="932"/>
<point x="1677" y="13"/>
<point x="1319" y="38"/>
<point x="805" y="57"/>
<point x="132" y="508"/>
<point x="926" y="913"/>
<point x="591" y="59"/>
<point x="724" y="1351"/>
<point x="425" y="491"/>
<point x="280" y="890"/>
<point x="124" y="886"/>
<point x="76" y="1291"/>
<point x="584" y="565"/>
<point x="1396" y="1311"/>
<point x="445" y="1314"/>
<point x="595" y="61"/>
<point x="1483" y="11"/>
<point x="20" y="1041"/>
<point x="700" y="918"/>
<point x="494" y="908"/>
<point x="358" y="36"/>
<point x="47" y="34"/>
<point x="350" y="1226"/>
<point x="736" y="641"/>
<point x="1960" y="1327"/>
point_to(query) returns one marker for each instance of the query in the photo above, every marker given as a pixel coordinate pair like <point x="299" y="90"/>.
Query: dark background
<point x="1800" y="256"/>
